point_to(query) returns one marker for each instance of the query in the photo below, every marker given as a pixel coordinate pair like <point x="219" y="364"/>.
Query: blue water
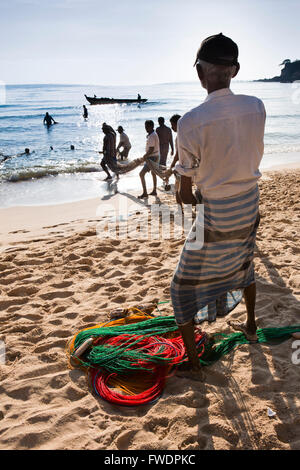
<point x="62" y="175"/>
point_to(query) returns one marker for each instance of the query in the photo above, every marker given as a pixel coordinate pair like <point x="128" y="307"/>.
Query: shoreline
<point x="78" y="187"/>
<point x="20" y="223"/>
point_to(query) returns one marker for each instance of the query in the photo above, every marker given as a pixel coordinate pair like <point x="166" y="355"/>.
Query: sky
<point x="136" y="42"/>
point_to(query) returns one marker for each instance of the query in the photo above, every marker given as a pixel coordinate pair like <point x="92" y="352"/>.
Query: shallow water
<point x="63" y="175"/>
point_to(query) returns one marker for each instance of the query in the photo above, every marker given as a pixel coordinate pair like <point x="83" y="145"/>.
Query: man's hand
<point x="185" y="191"/>
<point x="149" y="153"/>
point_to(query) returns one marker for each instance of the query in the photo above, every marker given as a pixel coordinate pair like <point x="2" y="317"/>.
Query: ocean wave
<point x="37" y="173"/>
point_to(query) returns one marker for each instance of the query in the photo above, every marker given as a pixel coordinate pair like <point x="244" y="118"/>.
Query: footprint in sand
<point x="124" y="440"/>
<point x="5" y="304"/>
<point x="22" y="291"/>
<point x="126" y="283"/>
<point x="116" y="273"/>
<point x="194" y="443"/>
<point x="120" y="299"/>
<point x="57" y="295"/>
<point x="62" y="285"/>
<point x="288" y="433"/>
<point x="112" y="289"/>
<point x="94" y="287"/>
<point x="71" y="315"/>
<point x="60" y="308"/>
<point x="221" y="430"/>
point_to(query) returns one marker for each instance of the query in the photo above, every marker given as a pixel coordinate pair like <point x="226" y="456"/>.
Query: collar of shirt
<point x="218" y="93"/>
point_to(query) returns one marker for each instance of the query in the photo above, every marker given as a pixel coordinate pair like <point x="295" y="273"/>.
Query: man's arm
<point x="175" y="160"/>
<point x="189" y="157"/>
<point x="121" y="143"/>
<point x="185" y="191"/>
<point x="171" y="142"/>
<point x="149" y="152"/>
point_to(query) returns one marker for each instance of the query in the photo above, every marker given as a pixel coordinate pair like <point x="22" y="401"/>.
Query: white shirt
<point x="153" y="141"/>
<point x="221" y="145"/>
<point x="124" y="140"/>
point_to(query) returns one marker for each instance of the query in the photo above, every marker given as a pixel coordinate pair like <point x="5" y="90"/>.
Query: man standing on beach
<point x="123" y="143"/>
<point x="165" y="140"/>
<point x="109" y="160"/>
<point x="174" y="120"/>
<point x="152" y="152"/>
<point x="220" y="146"/>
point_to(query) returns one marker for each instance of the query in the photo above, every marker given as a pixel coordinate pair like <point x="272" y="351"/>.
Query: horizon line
<point x="106" y="86"/>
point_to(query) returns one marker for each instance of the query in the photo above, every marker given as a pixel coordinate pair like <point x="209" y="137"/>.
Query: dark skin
<point x="249" y="327"/>
<point x="175" y="160"/>
<point x="149" y="130"/>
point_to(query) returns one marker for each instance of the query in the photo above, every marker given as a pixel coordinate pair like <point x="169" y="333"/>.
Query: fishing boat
<point x="95" y="100"/>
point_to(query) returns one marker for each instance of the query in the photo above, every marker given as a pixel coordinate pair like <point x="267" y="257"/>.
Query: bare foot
<point x="296" y="335"/>
<point x="238" y="326"/>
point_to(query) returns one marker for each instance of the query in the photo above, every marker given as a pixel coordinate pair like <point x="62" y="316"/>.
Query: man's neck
<point x="220" y="86"/>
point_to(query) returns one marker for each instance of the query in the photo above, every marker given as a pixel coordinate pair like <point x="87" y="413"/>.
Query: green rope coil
<point x="118" y="359"/>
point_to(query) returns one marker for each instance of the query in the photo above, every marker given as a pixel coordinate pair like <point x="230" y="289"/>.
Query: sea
<point x="47" y="177"/>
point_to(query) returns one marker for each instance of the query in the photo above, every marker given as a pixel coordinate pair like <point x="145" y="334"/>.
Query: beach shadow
<point x="271" y="385"/>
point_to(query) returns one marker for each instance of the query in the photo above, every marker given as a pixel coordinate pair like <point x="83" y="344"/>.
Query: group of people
<point x="111" y="151"/>
<point x="158" y="143"/>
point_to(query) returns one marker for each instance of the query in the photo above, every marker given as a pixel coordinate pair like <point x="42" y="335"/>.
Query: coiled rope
<point x="129" y="360"/>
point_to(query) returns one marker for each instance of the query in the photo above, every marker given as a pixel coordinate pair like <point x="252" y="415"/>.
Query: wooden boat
<point x="96" y="100"/>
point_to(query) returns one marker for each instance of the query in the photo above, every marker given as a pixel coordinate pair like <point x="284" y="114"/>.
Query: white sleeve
<point x="186" y="165"/>
<point x="151" y="140"/>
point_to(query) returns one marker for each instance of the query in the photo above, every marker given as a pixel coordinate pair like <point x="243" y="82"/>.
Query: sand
<point x="57" y="277"/>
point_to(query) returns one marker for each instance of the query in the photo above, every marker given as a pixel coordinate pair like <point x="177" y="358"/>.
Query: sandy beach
<point x="58" y="276"/>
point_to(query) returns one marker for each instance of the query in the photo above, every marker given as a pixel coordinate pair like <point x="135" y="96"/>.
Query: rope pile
<point x="129" y="360"/>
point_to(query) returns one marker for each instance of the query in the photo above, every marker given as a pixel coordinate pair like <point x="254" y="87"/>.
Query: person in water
<point x="7" y="157"/>
<point x="85" y="112"/>
<point x="48" y="120"/>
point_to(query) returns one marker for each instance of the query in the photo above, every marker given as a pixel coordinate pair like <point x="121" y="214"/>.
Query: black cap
<point x="218" y="49"/>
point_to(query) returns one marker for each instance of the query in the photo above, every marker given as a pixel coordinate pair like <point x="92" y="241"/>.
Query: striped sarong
<point x="209" y="281"/>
